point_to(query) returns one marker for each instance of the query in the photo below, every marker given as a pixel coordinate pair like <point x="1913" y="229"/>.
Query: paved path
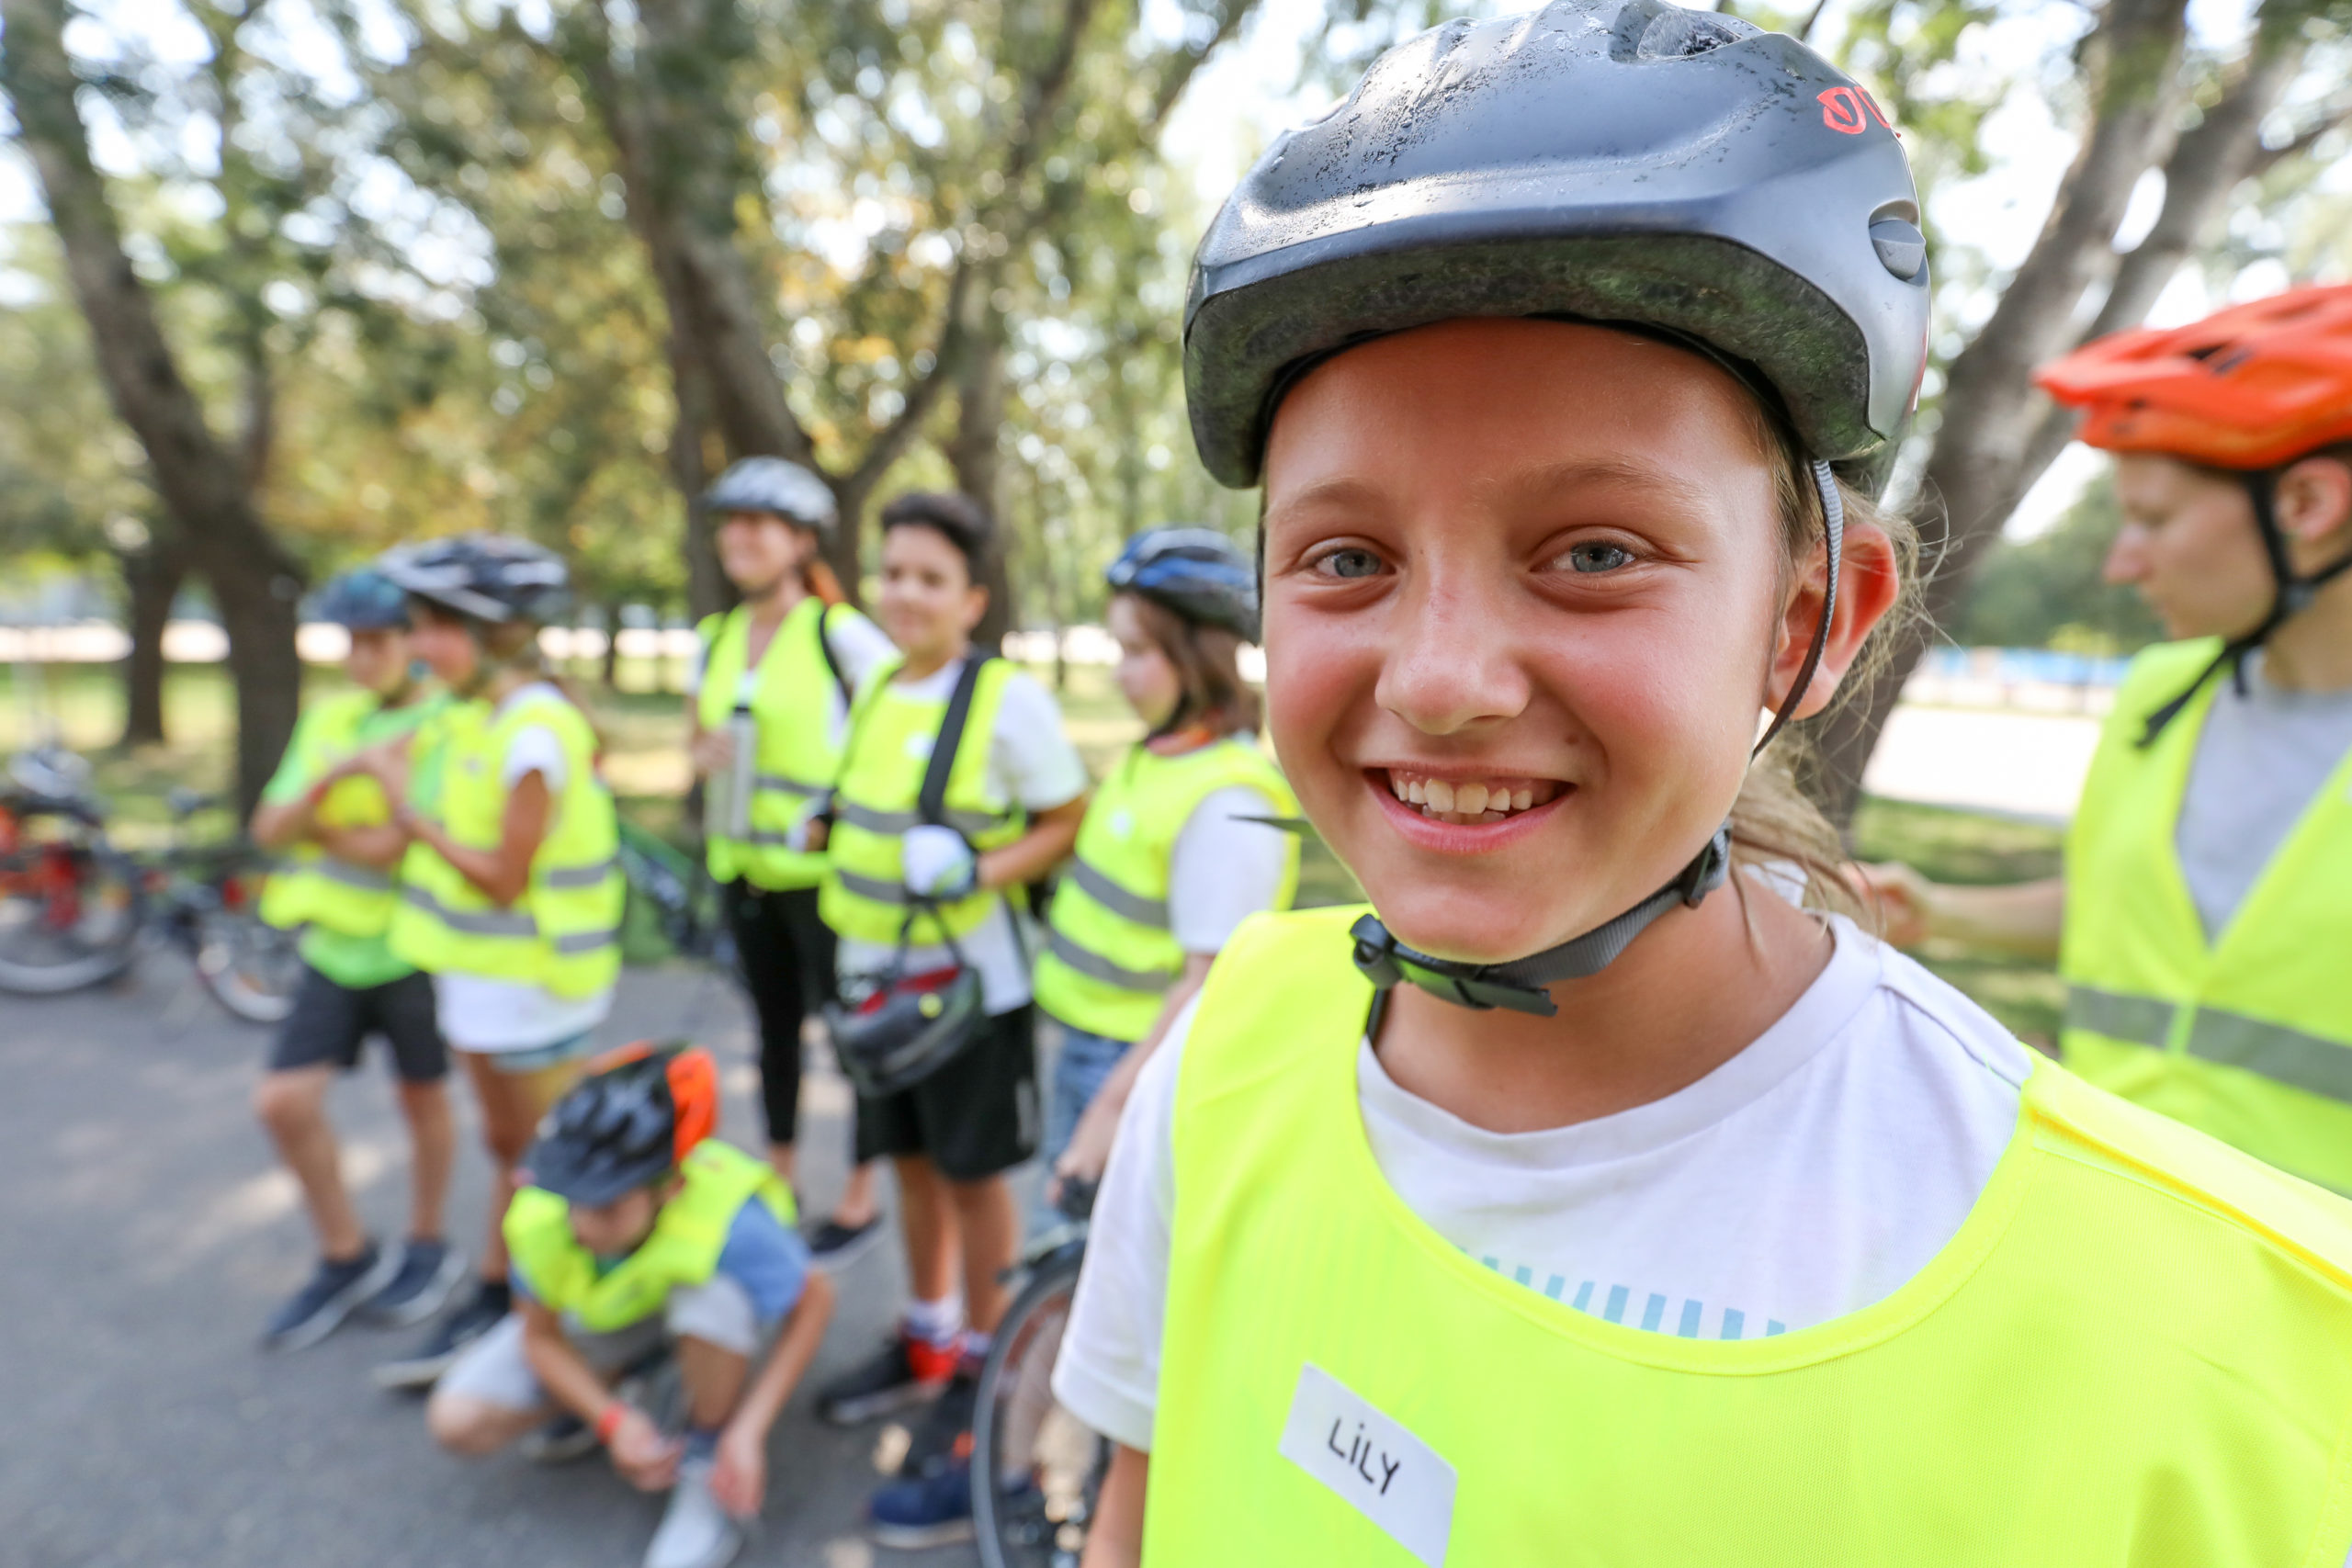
<point x="147" y="1236"/>
<point x="2013" y="760"/>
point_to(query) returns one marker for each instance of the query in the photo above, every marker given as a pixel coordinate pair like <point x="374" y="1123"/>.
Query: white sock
<point x="935" y="1323"/>
<point x="974" y="1348"/>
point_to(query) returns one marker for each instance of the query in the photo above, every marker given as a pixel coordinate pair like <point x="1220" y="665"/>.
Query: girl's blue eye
<point x="1349" y="563"/>
<point x="1593" y="557"/>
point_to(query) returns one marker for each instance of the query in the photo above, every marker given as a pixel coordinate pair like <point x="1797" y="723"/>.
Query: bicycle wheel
<point x="247" y="965"/>
<point x="71" y="906"/>
<point x="1037" y="1471"/>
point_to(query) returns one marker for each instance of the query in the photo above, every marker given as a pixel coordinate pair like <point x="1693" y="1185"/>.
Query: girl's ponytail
<point x="818" y="576"/>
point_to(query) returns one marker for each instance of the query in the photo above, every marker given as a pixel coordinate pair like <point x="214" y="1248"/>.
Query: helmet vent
<point x="1678" y="34"/>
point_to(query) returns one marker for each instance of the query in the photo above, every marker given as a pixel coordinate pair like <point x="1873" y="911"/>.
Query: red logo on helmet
<point x="1844" y="109"/>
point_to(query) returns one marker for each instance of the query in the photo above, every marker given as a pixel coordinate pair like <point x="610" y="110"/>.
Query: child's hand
<point x="739" y="1479"/>
<point x="1902" y="898"/>
<point x="646" y="1459"/>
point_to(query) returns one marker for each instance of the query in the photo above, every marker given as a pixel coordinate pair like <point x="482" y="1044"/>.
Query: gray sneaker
<point x="429" y="1271"/>
<point x="696" y="1532"/>
<point x="334" y="1291"/>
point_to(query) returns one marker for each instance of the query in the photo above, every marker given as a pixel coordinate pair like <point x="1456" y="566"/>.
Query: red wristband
<point x="608" y="1421"/>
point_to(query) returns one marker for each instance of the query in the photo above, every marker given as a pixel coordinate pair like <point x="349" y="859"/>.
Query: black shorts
<point x="974" y="1117"/>
<point x="330" y="1022"/>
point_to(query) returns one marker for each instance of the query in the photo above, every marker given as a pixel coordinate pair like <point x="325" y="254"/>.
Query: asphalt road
<point x="145" y="1233"/>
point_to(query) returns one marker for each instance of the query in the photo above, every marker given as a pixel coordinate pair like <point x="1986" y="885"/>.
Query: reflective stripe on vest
<point x="2246" y="1036"/>
<point x="2160" y="1321"/>
<point x="2285" y="1055"/>
<point x="1111" y="957"/>
<point x="890" y="734"/>
<point x="682" y="1251"/>
<point x="565" y="932"/>
<point x="309" y="886"/>
<point x="796" y="759"/>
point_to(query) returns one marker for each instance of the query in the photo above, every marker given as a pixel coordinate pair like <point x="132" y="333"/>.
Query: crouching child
<point x="635" y="1232"/>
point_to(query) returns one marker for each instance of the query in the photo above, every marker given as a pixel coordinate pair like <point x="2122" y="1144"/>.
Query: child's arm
<point x="1114" y="1539"/>
<point x="740" y="1480"/>
<point x="640" y="1452"/>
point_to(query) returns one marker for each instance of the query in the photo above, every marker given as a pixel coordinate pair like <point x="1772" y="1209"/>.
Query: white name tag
<point x="1385" y="1472"/>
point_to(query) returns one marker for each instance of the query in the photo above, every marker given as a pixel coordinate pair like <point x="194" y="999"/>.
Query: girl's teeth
<point x="1521" y="799"/>
<point x="1470" y="799"/>
<point x="1440" y="794"/>
<point x="1417" y="793"/>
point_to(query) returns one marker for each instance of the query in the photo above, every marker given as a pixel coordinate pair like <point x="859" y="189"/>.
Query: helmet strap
<point x="2291" y="595"/>
<point x="1522" y="985"/>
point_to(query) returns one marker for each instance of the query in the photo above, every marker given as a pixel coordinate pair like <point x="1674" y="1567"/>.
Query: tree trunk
<point x="611" y="670"/>
<point x="150" y="580"/>
<point x="1982" y="459"/>
<point x="973" y="455"/>
<point x="202" y="481"/>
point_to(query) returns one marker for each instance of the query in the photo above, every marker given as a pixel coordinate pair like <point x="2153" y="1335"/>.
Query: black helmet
<point x="490" y="577"/>
<point x="634" y="1118"/>
<point x="1197" y="572"/>
<point x="365" y="601"/>
<point x="771" y="484"/>
<point x="1613" y="161"/>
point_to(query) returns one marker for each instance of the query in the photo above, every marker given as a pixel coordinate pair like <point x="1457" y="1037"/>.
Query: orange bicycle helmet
<point x="2252" y="387"/>
<point x="2249" y="389"/>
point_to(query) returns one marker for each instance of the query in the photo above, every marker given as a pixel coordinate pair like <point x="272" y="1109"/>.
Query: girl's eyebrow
<point x="1616" y="472"/>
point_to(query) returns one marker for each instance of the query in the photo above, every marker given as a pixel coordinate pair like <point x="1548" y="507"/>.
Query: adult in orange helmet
<point x="2206" y="908"/>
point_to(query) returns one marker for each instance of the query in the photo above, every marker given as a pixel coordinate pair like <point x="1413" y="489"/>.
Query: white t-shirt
<point x="1223" y="869"/>
<point x="1031" y="765"/>
<point x="477" y="1013"/>
<point x="858" y="645"/>
<point x="1804" y="1179"/>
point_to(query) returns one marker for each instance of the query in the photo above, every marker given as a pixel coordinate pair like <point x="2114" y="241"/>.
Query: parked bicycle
<point x="75" y="909"/>
<point x="71" y="904"/>
<point x="1036" y="1469"/>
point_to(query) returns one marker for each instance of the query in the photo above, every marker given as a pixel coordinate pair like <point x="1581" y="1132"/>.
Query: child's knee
<point x="464" y="1424"/>
<point x="286" y="1100"/>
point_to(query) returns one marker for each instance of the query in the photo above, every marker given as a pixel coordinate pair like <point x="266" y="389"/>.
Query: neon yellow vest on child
<point x="1111" y="957"/>
<point x="310" y="886"/>
<point x="563" y="933"/>
<point x="890" y="735"/>
<point x="681" y="1253"/>
<point x="2247" y="1036"/>
<point x="2136" y="1352"/>
<point x="796" y="759"/>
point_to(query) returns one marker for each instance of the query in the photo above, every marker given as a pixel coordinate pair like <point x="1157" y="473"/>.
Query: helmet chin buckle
<point x="1524" y="984"/>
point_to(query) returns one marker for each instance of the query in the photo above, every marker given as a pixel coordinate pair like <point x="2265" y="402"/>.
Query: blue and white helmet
<point x="493" y="577"/>
<point x="1197" y="572"/>
<point x="774" y="485"/>
<point x="364" y="599"/>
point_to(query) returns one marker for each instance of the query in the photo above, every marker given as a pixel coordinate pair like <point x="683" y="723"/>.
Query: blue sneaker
<point x="927" y="1510"/>
<point x="334" y="1291"/>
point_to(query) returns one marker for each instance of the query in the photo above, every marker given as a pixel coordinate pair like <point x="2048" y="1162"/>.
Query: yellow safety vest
<point x="2136" y="1352"/>
<point x="1110" y="956"/>
<point x="565" y="932"/>
<point x="2249" y="1036"/>
<point x="681" y="1252"/>
<point x="889" y="746"/>
<point x="309" y="886"/>
<point x="796" y="759"/>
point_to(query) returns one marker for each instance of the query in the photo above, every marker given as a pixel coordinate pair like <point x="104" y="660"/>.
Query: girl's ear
<point x="2314" y="498"/>
<point x="1869" y="581"/>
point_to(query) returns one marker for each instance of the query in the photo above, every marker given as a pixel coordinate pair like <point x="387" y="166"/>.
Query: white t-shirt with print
<point x="477" y="1013"/>
<point x="1031" y="765"/>
<point x="1806" y="1178"/>
<point x="859" y="647"/>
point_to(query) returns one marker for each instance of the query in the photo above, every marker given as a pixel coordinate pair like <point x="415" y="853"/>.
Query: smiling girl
<point x="1592" y="1199"/>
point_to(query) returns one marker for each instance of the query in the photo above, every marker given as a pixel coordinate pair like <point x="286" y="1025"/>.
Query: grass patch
<point x="1970" y="847"/>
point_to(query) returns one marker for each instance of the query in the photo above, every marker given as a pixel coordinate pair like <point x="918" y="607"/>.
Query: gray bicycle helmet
<point x="493" y="577"/>
<point x="774" y="485"/>
<point x="1623" y="162"/>
<point x="1197" y="572"/>
<point x="365" y="601"/>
